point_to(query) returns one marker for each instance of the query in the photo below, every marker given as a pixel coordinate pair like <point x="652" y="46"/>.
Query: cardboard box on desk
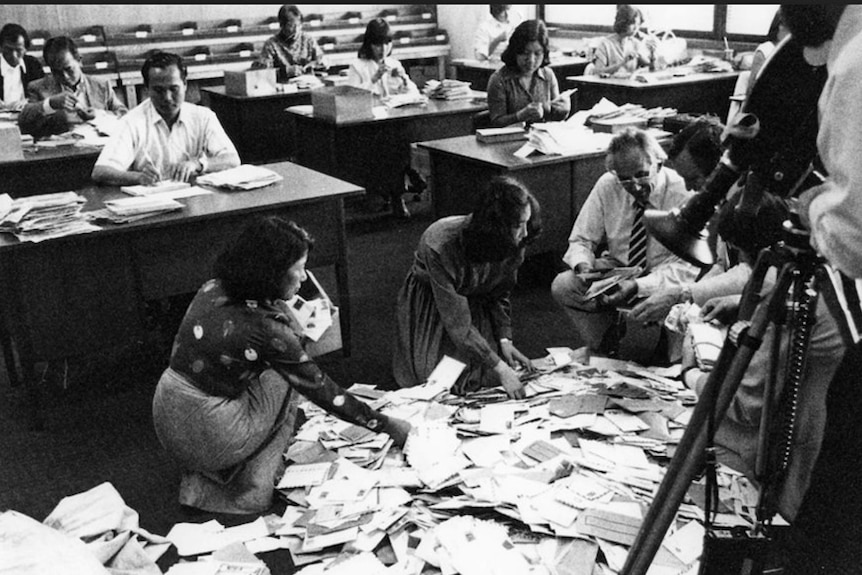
<point x="257" y="82"/>
<point x="10" y="143"/>
<point x="340" y="103"/>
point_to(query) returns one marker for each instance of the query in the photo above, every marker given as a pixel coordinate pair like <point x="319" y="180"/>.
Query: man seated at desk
<point x="165" y="137"/>
<point x="613" y="214"/>
<point x="67" y="97"/>
<point x="291" y="51"/>
<point x="17" y="68"/>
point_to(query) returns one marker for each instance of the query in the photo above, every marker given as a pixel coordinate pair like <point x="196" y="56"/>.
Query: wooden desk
<point x="478" y="72"/>
<point x="257" y="125"/>
<point x="46" y="170"/>
<point x="373" y="153"/>
<point x="700" y="92"/>
<point x="77" y="294"/>
<point x="461" y="167"/>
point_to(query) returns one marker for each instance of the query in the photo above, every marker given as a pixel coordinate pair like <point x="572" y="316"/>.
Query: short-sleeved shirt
<point x="144" y="135"/>
<point x="612" y="50"/>
<point x="489" y="29"/>
<point x="224" y="344"/>
<point x="506" y="94"/>
<point x="283" y="54"/>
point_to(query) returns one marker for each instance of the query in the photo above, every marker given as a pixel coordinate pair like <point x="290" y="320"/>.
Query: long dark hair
<point x="487" y="237"/>
<point x="526" y="32"/>
<point x="376" y="32"/>
<point x="254" y="264"/>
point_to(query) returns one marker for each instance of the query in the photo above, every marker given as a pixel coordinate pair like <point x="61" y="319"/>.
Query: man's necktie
<point x="638" y="243"/>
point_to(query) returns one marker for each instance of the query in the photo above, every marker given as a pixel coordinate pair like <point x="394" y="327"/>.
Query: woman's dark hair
<point x="254" y="264"/>
<point x="163" y="60"/>
<point x="488" y="236"/>
<point x="703" y="140"/>
<point x="497" y="9"/>
<point x="526" y="32"/>
<point x="777" y="21"/>
<point x="11" y="32"/>
<point x="626" y="16"/>
<point x="288" y="9"/>
<point x="376" y="32"/>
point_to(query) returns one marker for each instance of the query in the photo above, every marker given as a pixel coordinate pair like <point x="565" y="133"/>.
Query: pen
<point x="149" y="160"/>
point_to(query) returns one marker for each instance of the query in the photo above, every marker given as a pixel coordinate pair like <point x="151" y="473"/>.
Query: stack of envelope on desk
<point x="42" y="217"/>
<point x="498" y="486"/>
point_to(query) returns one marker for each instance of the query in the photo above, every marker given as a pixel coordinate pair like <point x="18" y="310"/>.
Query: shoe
<point x="399" y="208"/>
<point x="415" y="184"/>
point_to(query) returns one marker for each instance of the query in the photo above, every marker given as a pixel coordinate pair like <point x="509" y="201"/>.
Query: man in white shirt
<point x="635" y="180"/>
<point x="16" y="67"/>
<point x="493" y="32"/>
<point x="165" y="137"/>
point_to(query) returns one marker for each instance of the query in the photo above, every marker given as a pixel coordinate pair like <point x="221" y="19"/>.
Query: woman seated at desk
<point x="526" y="89"/>
<point x="291" y="52"/>
<point x="455" y="299"/>
<point x="374" y="69"/>
<point x="622" y="52"/>
<point x="225" y="407"/>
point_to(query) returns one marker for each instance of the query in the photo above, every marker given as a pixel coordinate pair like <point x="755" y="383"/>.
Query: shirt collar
<point x="155" y="117"/>
<point x="5" y="67"/>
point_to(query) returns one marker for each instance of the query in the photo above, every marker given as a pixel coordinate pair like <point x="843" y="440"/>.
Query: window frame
<point x="717" y="34"/>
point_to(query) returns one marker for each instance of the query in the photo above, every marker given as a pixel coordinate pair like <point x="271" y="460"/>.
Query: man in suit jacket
<point x="68" y="96"/>
<point x="17" y="69"/>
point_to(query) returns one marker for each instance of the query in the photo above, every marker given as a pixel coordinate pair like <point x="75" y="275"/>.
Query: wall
<point x="54" y="17"/>
<point x="461" y="20"/>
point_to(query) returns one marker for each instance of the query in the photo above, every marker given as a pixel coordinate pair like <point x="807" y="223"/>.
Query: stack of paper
<point x="244" y="177"/>
<point x="38" y="218"/>
<point x="306" y="82"/>
<point x="399" y="100"/>
<point x="448" y="90"/>
<point x="136" y="206"/>
<point x="157" y="188"/>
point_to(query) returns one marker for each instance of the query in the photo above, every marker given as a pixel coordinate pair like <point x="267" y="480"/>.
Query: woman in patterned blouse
<point x="291" y="51"/>
<point x="225" y="406"/>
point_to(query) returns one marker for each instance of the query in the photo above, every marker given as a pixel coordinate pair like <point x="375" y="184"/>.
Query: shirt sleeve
<point x="266" y="59"/>
<point x="497" y="100"/>
<point x="356" y="77"/>
<point x="836" y="212"/>
<point x="285" y="354"/>
<point x="588" y="231"/>
<point x="481" y="41"/>
<point x="454" y="309"/>
<point x="559" y="108"/>
<point x="119" y="152"/>
<point x="218" y="144"/>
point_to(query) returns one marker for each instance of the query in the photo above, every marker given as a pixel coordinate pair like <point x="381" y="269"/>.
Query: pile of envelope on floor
<point x="557" y="483"/>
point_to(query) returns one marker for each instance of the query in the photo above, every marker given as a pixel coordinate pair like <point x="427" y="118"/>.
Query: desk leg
<point x="34" y="396"/>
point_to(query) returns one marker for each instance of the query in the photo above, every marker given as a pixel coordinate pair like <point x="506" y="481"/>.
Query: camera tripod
<point x="802" y="276"/>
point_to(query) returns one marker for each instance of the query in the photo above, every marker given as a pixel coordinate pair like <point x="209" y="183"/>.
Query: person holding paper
<point x="291" y="51"/>
<point x="636" y="180"/>
<point x="375" y="69"/>
<point x="623" y="52"/>
<point x="17" y="69"/>
<point x="164" y="137"/>
<point x="526" y="89"/>
<point x="56" y="103"/>
<point x="494" y="31"/>
<point x="455" y="298"/>
<point x="225" y="407"/>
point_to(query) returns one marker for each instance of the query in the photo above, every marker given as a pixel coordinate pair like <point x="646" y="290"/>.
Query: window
<point x="736" y="21"/>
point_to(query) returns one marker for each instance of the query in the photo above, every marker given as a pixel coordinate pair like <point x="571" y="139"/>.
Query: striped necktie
<point x="638" y="243"/>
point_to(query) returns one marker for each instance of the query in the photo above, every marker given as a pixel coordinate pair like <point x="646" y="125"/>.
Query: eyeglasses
<point x="640" y="177"/>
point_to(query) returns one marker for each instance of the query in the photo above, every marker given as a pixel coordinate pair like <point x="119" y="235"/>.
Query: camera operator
<point x="827" y="534"/>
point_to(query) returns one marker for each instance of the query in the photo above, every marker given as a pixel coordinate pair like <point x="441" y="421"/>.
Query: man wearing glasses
<point x="611" y="220"/>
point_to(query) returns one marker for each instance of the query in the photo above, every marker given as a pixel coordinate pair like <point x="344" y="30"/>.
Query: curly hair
<point x="526" y="32"/>
<point x="703" y="140"/>
<point x="635" y="139"/>
<point x="498" y="210"/>
<point x="254" y="264"/>
<point x="626" y="16"/>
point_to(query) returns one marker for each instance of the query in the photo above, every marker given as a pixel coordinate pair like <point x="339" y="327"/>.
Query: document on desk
<point x="243" y="177"/>
<point x="157" y="188"/>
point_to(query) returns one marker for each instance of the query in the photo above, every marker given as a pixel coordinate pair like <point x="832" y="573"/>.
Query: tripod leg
<point x="716" y="397"/>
